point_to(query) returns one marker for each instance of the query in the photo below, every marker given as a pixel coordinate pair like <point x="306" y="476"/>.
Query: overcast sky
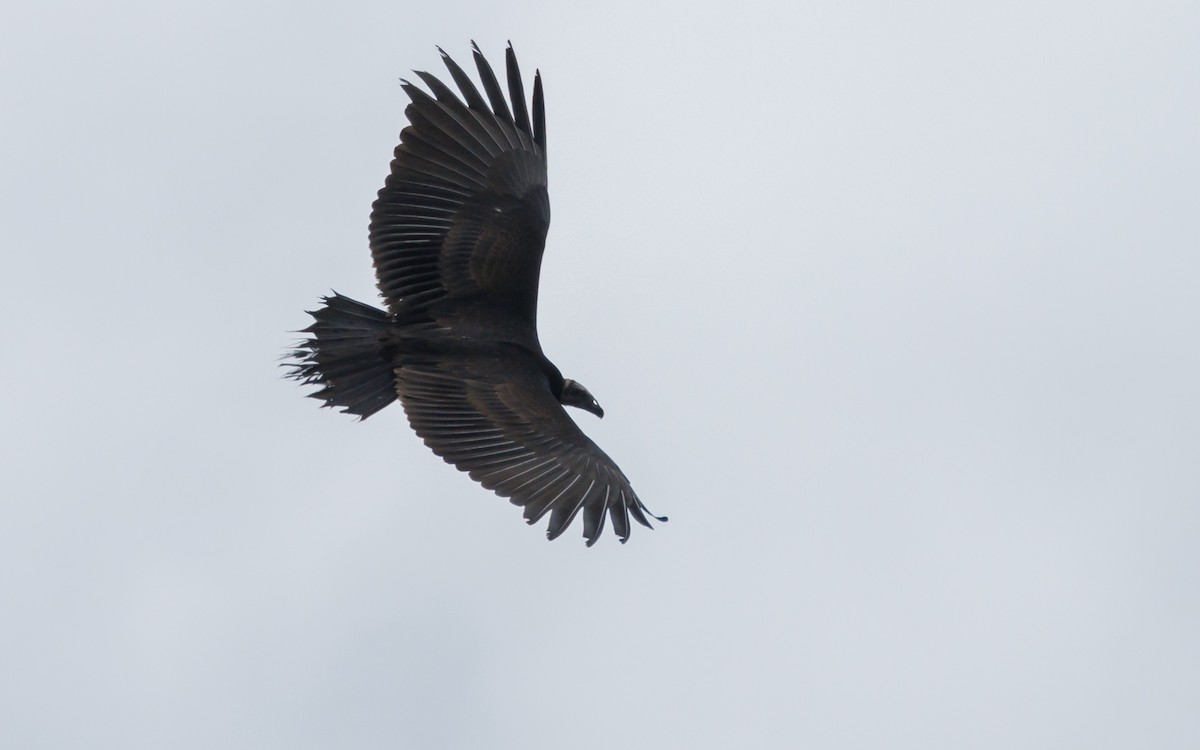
<point x="892" y="308"/>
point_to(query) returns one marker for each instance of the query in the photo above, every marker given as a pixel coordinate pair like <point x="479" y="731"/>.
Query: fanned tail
<point x="347" y="355"/>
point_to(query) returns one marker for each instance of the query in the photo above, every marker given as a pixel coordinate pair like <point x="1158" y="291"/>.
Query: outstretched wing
<point x="494" y="416"/>
<point x="464" y="213"/>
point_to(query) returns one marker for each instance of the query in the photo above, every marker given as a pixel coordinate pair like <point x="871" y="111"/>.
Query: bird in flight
<point x="457" y="235"/>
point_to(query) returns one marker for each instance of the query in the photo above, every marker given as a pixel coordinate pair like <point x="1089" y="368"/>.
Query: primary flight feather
<point x="457" y="235"/>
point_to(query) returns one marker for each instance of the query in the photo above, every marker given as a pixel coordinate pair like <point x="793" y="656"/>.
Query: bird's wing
<point x="464" y="213"/>
<point x="494" y="416"/>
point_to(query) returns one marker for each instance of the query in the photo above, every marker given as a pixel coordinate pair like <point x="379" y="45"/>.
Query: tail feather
<point x="347" y="357"/>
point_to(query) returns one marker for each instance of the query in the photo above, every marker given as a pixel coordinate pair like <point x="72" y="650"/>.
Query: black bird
<point x="457" y="235"/>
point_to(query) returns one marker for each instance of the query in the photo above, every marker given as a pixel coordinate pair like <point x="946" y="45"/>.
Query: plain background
<point x="892" y="308"/>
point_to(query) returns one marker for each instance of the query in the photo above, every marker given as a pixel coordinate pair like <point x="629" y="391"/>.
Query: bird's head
<point x="574" y="394"/>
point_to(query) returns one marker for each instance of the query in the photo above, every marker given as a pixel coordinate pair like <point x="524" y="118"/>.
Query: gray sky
<point x="892" y="308"/>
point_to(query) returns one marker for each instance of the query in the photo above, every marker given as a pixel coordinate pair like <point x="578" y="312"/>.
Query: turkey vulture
<point x="457" y="234"/>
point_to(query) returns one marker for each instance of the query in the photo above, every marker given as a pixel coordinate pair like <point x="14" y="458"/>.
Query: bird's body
<point x="457" y="235"/>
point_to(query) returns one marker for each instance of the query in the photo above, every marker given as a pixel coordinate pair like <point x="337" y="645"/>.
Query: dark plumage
<point x="457" y="235"/>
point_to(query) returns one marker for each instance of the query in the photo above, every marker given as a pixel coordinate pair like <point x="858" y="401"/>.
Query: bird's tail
<point x="347" y="354"/>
